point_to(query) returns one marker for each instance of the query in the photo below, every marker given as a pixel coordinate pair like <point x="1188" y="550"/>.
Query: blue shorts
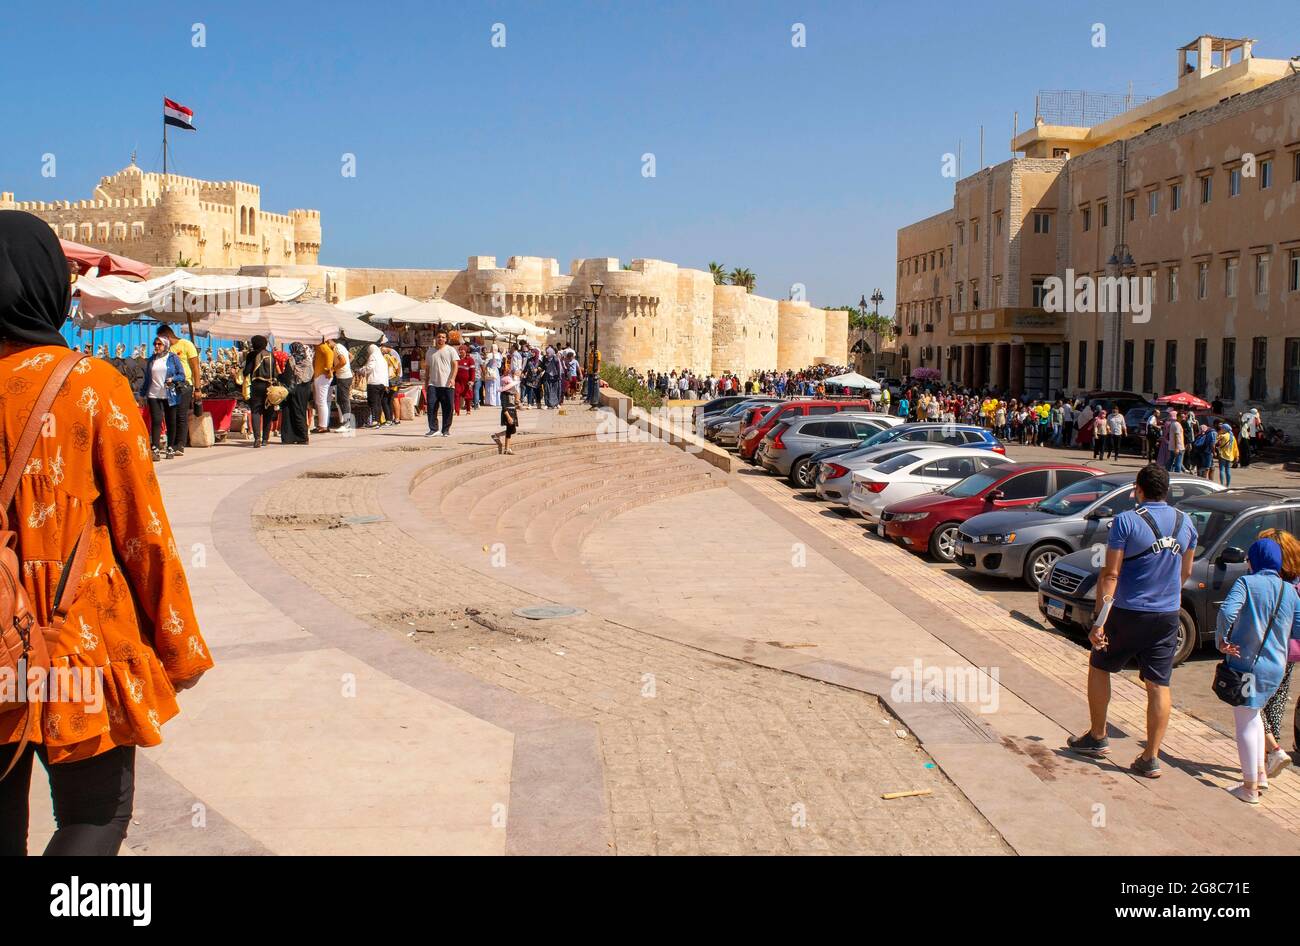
<point x="1149" y="637"/>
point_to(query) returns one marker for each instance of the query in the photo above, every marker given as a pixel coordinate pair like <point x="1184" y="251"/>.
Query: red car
<point x="928" y="523"/>
<point x="753" y="436"/>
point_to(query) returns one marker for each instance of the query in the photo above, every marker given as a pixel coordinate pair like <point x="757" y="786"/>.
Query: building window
<point x="961" y="297"/>
<point x="1259" y="369"/>
<point x="1130" y="208"/>
<point x="1202" y="280"/>
<point x="1153" y="203"/>
<point x="1127" y="382"/>
<point x="1104" y="214"/>
<point x="1042" y="223"/>
<point x="1037" y="291"/>
<point x="1265" y="175"/>
<point x="1228" y="370"/>
<point x="1234" y="182"/>
<point x="975" y="294"/>
<point x="1149" y="365"/>
<point x="1200" y="368"/>
<point x="1293" y="270"/>
<point x="1087" y="218"/>
<point x="997" y="224"/>
<point x="932" y="260"/>
<point x="997" y="291"/>
<point x="1291" y="375"/>
<point x="1175" y="196"/>
<point x="975" y="231"/>
<point x="1171" y="287"/>
<point x="1261" y="274"/>
<point x="1230" y="277"/>
<point x="1207" y="188"/>
<point x="1096" y="367"/>
<point x="1295" y="167"/>
<point x="1083" y="364"/>
<point x="1171" y="366"/>
<point x="961" y="235"/>
<point x="941" y="259"/>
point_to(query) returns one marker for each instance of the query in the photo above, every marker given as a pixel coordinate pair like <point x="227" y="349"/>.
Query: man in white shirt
<point x="1117" y="431"/>
<point x="343" y="383"/>
<point x="441" y="364"/>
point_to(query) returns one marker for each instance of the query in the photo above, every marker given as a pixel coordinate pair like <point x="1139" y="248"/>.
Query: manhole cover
<point x="362" y="520"/>
<point x="544" y="611"/>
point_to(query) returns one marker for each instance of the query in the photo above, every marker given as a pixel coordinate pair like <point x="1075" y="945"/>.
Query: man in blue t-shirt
<point x="1148" y="557"/>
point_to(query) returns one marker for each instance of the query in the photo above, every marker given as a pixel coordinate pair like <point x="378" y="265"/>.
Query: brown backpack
<point x="24" y="645"/>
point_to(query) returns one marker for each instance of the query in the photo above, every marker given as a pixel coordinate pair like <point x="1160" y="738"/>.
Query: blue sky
<point x="799" y="163"/>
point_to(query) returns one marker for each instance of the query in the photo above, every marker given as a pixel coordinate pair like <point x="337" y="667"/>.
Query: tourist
<point x="532" y="380"/>
<point x="440" y="370"/>
<point x="552" y="377"/>
<point x="178" y="436"/>
<point x="158" y="389"/>
<point x="1275" y="758"/>
<point x="1202" y="452"/>
<point x="509" y="414"/>
<point x="394" y="384"/>
<point x="1225" y="449"/>
<point x="322" y="385"/>
<point x="1175" y="443"/>
<point x="375" y="366"/>
<point x="296" y="378"/>
<point x="1117" y="430"/>
<point x="477" y="379"/>
<point x="492" y="381"/>
<point x="1149" y="554"/>
<point x="592" y="367"/>
<point x="464" y="388"/>
<point x="1099" y="430"/>
<point x="1151" y="433"/>
<point x="342" y="386"/>
<point x="110" y="508"/>
<point x="258" y="371"/>
<point x="1256" y="620"/>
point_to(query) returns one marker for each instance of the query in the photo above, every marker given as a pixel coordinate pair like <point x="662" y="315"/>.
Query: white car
<point x="835" y="476"/>
<point x="910" y="474"/>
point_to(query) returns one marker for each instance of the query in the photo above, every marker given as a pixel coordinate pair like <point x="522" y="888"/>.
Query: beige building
<point x="164" y="219"/>
<point x="1197" y="189"/>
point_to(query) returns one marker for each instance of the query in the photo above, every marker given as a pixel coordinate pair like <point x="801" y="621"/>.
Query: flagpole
<point x="164" y="141"/>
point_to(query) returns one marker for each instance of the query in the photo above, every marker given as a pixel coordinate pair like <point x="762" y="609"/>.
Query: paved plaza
<point x="730" y="682"/>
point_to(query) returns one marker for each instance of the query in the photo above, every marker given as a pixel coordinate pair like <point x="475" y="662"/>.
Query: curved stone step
<point x="473" y="481"/>
<point x="445" y="473"/>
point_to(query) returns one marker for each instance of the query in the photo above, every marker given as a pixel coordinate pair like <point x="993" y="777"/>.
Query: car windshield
<point x="1075" y="498"/>
<point x="1209" y="525"/>
<point x="897" y="462"/>
<point x="877" y="439"/>
<point x="972" y="485"/>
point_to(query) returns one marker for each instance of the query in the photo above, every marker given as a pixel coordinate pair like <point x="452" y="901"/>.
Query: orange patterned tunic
<point x="132" y="618"/>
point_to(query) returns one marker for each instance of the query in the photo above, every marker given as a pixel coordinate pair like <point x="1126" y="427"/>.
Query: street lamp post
<point x="592" y="385"/>
<point x="877" y="297"/>
<point x="597" y="288"/>
<point x="1121" y="261"/>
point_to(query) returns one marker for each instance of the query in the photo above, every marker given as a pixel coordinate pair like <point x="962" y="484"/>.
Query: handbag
<point x="24" y="644"/>
<point x="1236" y="687"/>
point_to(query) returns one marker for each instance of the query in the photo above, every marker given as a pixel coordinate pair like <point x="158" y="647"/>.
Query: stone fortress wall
<point x="159" y="219"/>
<point x="652" y="315"/>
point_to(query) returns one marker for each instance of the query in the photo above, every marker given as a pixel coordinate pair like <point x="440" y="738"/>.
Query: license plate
<point x="1055" y="609"/>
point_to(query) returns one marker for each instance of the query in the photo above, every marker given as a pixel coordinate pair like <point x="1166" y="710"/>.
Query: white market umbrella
<point x="307" y="322"/>
<point x="179" y="296"/>
<point x="854" y="380"/>
<point x="437" y="312"/>
<point x="386" y="302"/>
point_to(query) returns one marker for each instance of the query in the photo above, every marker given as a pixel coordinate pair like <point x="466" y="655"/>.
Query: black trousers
<point x="375" y="399"/>
<point x="93" y="799"/>
<point x="160" y="410"/>
<point x="260" y="414"/>
<point x="178" y="434"/>
<point x="342" y="391"/>
<point x="438" y="399"/>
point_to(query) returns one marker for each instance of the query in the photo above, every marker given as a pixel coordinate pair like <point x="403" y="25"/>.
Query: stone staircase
<point x="542" y="502"/>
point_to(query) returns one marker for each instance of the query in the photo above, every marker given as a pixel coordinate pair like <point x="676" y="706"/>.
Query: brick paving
<point x="701" y="753"/>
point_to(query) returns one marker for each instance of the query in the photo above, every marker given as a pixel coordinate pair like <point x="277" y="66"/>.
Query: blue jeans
<point x="1225" y="472"/>
<point x="1176" y="462"/>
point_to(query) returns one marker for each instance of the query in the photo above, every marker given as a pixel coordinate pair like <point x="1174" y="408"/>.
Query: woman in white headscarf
<point x="492" y="381"/>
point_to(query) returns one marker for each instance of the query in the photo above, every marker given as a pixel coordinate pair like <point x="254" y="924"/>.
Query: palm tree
<point x="719" y="273"/>
<point x="743" y="277"/>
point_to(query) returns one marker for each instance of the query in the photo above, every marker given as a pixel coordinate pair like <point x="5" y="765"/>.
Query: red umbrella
<point x="85" y="258"/>
<point x="1183" y="399"/>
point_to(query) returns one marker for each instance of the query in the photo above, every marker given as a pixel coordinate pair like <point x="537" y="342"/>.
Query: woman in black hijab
<point x="296" y="377"/>
<point x="85" y="487"/>
<point x="35" y="282"/>
<point x="259" y="369"/>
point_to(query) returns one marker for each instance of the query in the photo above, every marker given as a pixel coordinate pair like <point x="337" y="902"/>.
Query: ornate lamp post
<point x="1121" y="261"/>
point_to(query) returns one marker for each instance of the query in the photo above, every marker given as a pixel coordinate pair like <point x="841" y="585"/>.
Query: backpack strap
<point x="1162" y="543"/>
<point x="17" y="461"/>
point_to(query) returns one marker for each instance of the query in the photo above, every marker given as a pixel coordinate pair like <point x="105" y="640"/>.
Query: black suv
<point x="1226" y="523"/>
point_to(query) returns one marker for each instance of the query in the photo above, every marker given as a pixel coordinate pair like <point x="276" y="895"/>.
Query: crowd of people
<point x="684" y="384"/>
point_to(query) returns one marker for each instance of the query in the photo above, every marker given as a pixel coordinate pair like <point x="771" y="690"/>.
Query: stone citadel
<point x="652" y="315"/>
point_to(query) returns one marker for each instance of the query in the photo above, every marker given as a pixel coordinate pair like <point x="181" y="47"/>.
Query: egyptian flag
<point x="177" y="115"/>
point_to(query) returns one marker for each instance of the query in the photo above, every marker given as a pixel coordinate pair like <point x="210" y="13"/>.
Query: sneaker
<point x="157" y="454"/>
<point x="1147" y="768"/>
<point x="1241" y="793"/>
<point x="1276" y="761"/>
<point x="1087" y="745"/>
<point x="179" y="451"/>
<point x="169" y="454"/>
<point x="433" y="433"/>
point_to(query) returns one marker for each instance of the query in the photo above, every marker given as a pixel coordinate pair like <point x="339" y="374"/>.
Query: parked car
<point x="834" y="480"/>
<point x="752" y="436"/>
<point x="913" y="473"/>
<point x="1024" y="543"/>
<point x="725" y="430"/>
<point x="929" y="523"/>
<point x="716" y="406"/>
<point x="1226" y="524"/>
<point x="788" y="447"/>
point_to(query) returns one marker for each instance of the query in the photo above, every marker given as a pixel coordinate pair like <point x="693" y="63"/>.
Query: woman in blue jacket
<point x="162" y="372"/>
<point x="1259" y="616"/>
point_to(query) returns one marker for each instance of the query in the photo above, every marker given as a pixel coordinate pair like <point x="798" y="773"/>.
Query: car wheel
<point x="1039" y="563"/>
<point x="943" y="542"/>
<point x="803" y="474"/>
<point x="1187" y="637"/>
